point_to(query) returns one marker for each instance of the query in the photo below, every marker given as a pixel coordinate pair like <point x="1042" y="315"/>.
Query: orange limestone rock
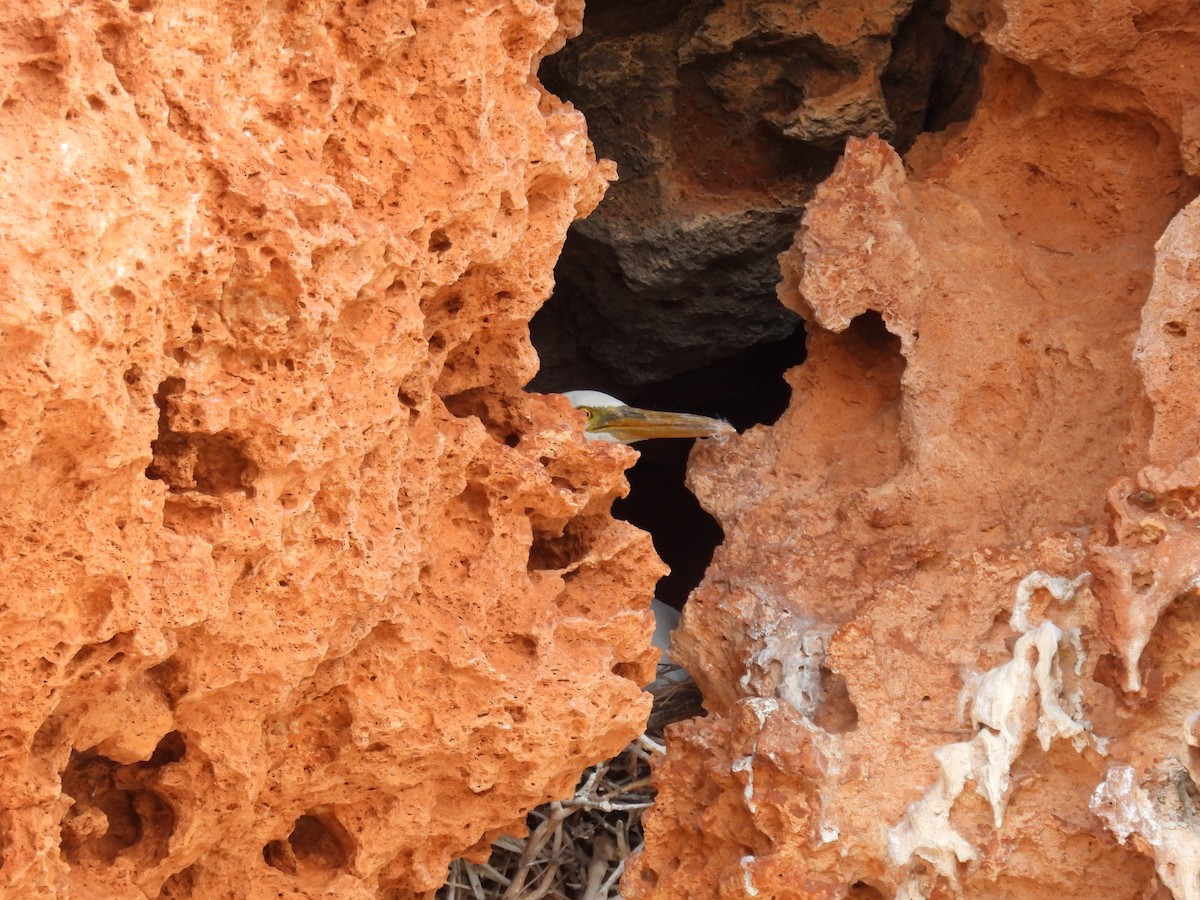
<point x="303" y="595"/>
<point x="950" y="643"/>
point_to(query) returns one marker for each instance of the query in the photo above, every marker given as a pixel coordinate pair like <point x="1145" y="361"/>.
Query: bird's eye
<point x="589" y="412"/>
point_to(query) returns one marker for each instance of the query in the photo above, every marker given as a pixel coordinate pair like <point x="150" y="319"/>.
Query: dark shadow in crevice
<point x="620" y="327"/>
<point x="747" y="390"/>
<point x="933" y="77"/>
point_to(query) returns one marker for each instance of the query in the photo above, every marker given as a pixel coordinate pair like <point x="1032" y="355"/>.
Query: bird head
<point x="608" y="419"/>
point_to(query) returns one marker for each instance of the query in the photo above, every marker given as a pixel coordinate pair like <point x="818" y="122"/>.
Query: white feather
<point x="592" y="398"/>
<point x="666" y="620"/>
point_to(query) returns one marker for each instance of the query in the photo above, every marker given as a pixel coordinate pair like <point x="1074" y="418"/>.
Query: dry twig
<point x="576" y="848"/>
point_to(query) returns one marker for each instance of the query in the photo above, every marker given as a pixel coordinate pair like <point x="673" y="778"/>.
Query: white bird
<point x="666" y="620"/>
<point x="609" y="419"/>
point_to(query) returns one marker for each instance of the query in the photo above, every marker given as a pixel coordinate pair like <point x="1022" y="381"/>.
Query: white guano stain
<point x="1007" y="705"/>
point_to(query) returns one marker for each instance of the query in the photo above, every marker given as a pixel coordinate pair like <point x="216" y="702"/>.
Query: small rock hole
<point x="836" y="712"/>
<point x="278" y="855"/>
<point x="318" y="842"/>
<point x="860" y="890"/>
<point x="439" y="241"/>
<point x="1143" y="499"/>
<point x="181" y="885"/>
<point x="112" y="814"/>
<point x="171" y="749"/>
<point x="321" y="89"/>
<point x="553" y="553"/>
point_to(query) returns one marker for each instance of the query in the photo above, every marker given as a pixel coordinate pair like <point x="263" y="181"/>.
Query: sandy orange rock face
<point x="949" y="643"/>
<point x="303" y="594"/>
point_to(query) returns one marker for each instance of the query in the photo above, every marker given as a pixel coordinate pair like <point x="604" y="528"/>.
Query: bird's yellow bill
<point x="627" y="424"/>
